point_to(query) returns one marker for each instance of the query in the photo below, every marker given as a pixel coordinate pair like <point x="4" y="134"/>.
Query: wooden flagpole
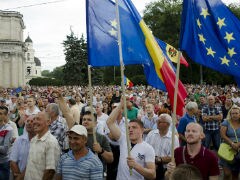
<point x="175" y="106"/>
<point x="91" y="101"/>
<point x="122" y="79"/>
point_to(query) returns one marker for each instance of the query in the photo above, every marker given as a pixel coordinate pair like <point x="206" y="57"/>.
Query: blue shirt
<point x="88" y="167"/>
<point x="184" y="121"/>
<point x="20" y="151"/>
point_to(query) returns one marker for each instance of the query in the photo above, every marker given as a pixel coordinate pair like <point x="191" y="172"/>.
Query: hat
<point x="79" y="129"/>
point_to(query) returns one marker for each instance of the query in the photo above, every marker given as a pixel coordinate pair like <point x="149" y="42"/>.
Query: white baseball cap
<point x="79" y="129"/>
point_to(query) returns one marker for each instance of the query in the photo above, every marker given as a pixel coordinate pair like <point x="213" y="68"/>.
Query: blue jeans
<point x="4" y="171"/>
<point x="214" y="136"/>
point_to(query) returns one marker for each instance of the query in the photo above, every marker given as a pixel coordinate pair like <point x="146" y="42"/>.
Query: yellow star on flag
<point x="229" y="37"/>
<point x="199" y="23"/>
<point x="205" y="13"/>
<point x="210" y="51"/>
<point x="113" y="32"/>
<point x="225" y="60"/>
<point x="221" y="22"/>
<point x="231" y="52"/>
<point x="201" y="38"/>
<point x="114" y="23"/>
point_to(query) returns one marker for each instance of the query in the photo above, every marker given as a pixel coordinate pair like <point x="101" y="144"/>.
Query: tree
<point x="75" y="70"/>
<point x="57" y="73"/>
<point x="46" y="73"/>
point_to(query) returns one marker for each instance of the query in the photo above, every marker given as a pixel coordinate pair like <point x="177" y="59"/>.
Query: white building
<point x="17" y="62"/>
<point x="32" y="64"/>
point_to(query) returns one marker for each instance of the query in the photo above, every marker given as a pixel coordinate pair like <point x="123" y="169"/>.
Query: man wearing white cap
<point x="79" y="162"/>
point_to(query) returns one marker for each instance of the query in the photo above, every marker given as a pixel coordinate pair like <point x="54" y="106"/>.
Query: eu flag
<point x="102" y="35"/>
<point x="138" y="43"/>
<point x="210" y="35"/>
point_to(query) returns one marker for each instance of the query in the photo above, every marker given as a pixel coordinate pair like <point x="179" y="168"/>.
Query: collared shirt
<point x="88" y="167"/>
<point x="58" y="130"/>
<point x="162" y="145"/>
<point x="149" y="123"/>
<point x="20" y="151"/>
<point x="44" y="154"/>
<point x="210" y="111"/>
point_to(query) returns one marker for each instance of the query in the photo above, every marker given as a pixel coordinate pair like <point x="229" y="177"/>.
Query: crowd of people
<point x="65" y="133"/>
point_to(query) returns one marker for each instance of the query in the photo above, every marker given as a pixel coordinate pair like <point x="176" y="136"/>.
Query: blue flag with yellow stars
<point x="210" y="35"/>
<point x="102" y="34"/>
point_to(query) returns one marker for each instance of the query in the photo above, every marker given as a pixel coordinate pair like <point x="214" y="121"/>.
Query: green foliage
<point x="45" y="82"/>
<point x="75" y="70"/>
<point x="163" y="18"/>
<point x="46" y="73"/>
<point x="57" y="73"/>
<point x="235" y="8"/>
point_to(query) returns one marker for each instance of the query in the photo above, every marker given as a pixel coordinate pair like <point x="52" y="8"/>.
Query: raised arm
<point x="65" y="110"/>
<point x="114" y="129"/>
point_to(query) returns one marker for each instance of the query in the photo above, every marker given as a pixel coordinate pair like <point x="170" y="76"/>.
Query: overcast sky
<point x="48" y="24"/>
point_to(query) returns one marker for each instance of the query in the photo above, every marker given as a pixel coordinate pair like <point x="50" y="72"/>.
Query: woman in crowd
<point x="230" y="133"/>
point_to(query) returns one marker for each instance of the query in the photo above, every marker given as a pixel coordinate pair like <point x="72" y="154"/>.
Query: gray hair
<point x="167" y="117"/>
<point x="54" y="108"/>
<point x="191" y="105"/>
<point x="99" y="104"/>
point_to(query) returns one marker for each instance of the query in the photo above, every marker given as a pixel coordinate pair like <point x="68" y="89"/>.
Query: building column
<point x="14" y="71"/>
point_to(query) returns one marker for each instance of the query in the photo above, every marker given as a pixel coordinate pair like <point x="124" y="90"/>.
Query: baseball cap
<point x="79" y="129"/>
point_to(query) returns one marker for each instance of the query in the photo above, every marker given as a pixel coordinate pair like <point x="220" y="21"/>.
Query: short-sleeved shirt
<point x="20" y="151"/>
<point x="142" y="153"/>
<point x="132" y="114"/>
<point x="44" y="154"/>
<point x="104" y="143"/>
<point x="205" y="161"/>
<point x="230" y="132"/>
<point x="88" y="167"/>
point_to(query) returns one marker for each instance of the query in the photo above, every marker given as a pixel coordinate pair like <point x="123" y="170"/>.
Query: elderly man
<point x="191" y="111"/>
<point x="44" y="150"/>
<point x="79" y="162"/>
<point x="58" y="126"/>
<point x="20" y="150"/>
<point x="212" y="116"/>
<point x="142" y="157"/>
<point x="161" y="141"/>
<point x="195" y="154"/>
<point x="5" y="143"/>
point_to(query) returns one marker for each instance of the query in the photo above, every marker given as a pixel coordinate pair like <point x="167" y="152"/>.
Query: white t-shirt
<point x="142" y="153"/>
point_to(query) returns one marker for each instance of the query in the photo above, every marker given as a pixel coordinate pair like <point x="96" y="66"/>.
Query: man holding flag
<point x="142" y="159"/>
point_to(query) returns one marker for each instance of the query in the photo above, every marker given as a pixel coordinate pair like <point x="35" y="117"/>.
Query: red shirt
<point x="205" y="161"/>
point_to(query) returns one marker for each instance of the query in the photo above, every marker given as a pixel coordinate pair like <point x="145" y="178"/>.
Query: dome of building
<point x="37" y="61"/>
<point x="29" y="40"/>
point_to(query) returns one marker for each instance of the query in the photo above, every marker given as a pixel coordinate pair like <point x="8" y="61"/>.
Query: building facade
<point x="14" y="52"/>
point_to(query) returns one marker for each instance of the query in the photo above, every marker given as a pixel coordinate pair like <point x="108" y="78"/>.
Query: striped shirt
<point x="88" y="167"/>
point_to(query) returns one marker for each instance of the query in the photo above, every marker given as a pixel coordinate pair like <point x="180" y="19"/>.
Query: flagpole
<point x="122" y="79"/>
<point x="91" y="101"/>
<point x="175" y="106"/>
